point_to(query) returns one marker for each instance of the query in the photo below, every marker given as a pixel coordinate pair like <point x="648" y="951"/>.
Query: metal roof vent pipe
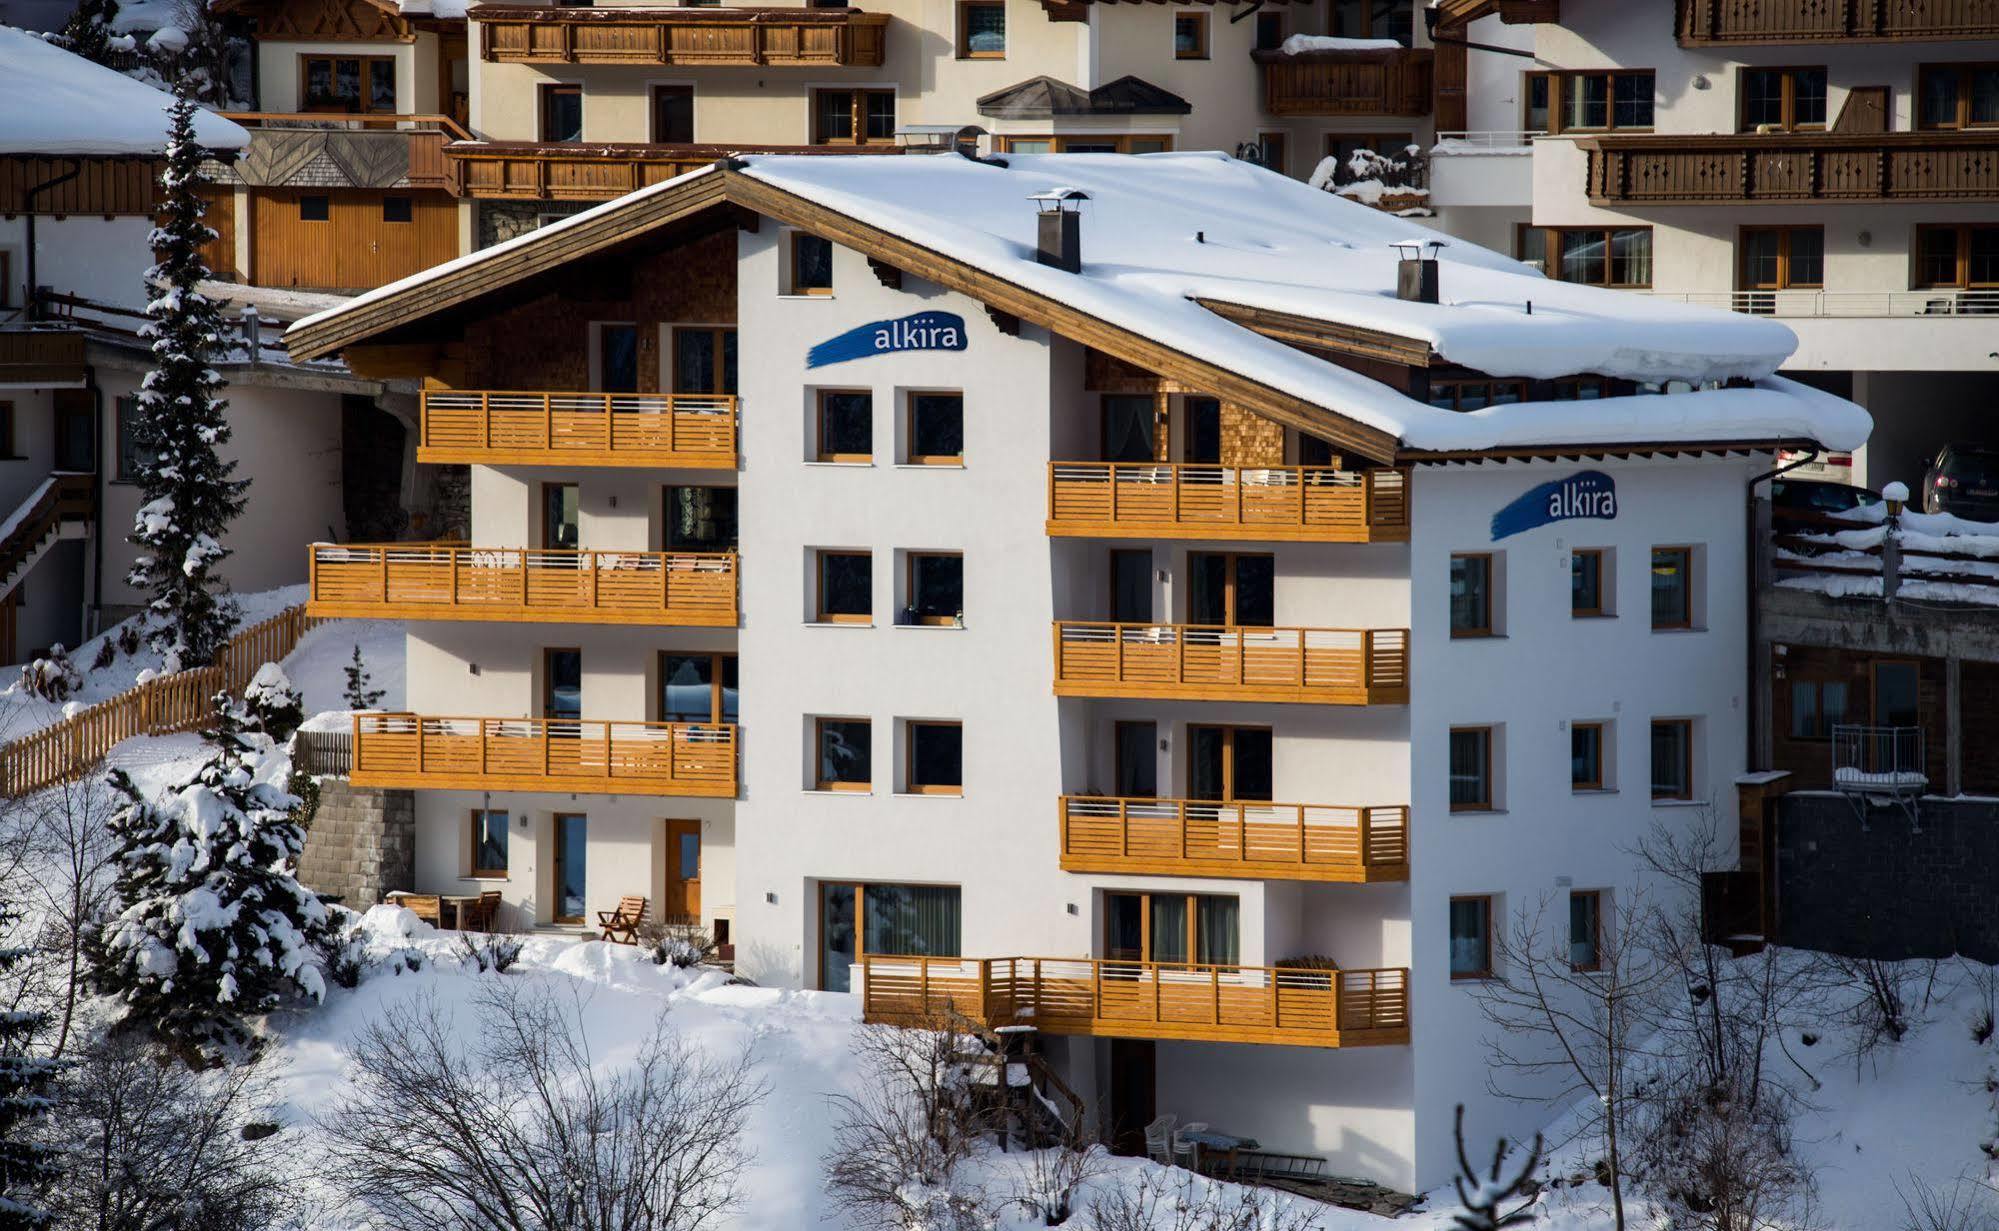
<point x="1058" y="237"/>
<point x="1416" y="276"/>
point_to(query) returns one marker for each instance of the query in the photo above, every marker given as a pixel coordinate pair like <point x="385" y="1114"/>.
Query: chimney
<point x="1416" y="276"/>
<point x="1058" y="239"/>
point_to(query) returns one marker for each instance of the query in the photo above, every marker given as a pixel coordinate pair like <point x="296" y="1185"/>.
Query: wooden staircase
<point x="60" y="508"/>
<point x="1027" y="1103"/>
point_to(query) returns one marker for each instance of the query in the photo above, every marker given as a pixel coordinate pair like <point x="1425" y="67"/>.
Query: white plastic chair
<point x="1160" y="1140"/>
<point x="1191" y="1151"/>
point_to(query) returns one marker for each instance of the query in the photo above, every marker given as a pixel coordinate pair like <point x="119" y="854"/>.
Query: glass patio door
<point x="571" y="867"/>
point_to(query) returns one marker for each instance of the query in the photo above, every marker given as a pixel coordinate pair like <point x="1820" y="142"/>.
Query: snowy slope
<point x="54" y="102"/>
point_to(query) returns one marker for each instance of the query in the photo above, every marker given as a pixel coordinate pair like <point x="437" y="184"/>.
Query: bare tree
<point x="515" y="1126"/>
<point x="1169" y="1199"/>
<point x="1483" y="1195"/>
<point x="73" y="852"/>
<point x="1968" y="1205"/>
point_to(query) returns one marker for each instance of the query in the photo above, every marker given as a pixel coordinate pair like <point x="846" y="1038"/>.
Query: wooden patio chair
<point x="621" y="926"/>
<point x="428" y="907"/>
<point x="479" y="916"/>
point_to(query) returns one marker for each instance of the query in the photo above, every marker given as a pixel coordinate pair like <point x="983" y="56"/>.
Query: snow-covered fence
<point x="67" y="750"/>
<point x="1887" y="551"/>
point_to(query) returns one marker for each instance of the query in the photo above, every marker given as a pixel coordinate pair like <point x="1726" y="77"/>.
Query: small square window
<point x="489" y="842"/>
<point x="1471" y="938"/>
<point x="1673" y="759"/>
<point x="315" y="209"/>
<point x="846" y="426"/>
<point x="936" y="429"/>
<point x="846" y="587"/>
<point x="397" y="209"/>
<point x="936" y="758"/>
<point x="982" y="30"/>
<point x="936" y="588"/>
<point x="1672" y="587"/>
<point x="1471" y="596"/>
<point x="1586" y="749"/>
<point x="811" y="265"/>
<point x="1586" y="929"/>
<point x="1586" y="577"/>
<point x="1471" y="769"/>
<point x="1190" y="36"/>
<point x="844" y="754"/>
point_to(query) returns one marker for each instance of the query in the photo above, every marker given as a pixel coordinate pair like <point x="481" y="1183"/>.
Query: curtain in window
<point x="1218" y="925"/>
<point x="912" y="920"/>
<point x="1169" y="929"/>
<point x="1468" y="940"/>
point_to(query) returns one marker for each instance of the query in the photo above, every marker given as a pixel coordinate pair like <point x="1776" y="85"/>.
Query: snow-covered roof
<point x="1164" y="231"/>
<point x="55" y="102"/>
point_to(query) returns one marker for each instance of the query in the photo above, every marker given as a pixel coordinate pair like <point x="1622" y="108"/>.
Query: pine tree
<point x="27" y="1169"/>
<point x="359" y="696"/>
<point x="188" y="498"/>
<point x="213" y="927"/>
<point x="88" y="30"/>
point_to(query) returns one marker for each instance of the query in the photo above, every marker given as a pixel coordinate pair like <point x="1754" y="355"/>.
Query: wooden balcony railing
<point x="1707" y="22"/>
<point x="1188" y="837"/>
<point x="777" y="37"/>
<point x="41" y="357"/>
<point x="598" y="171"/>
<point x="544" y="754"/>
<point x="1787" y="168"/>
<point x="425" y="136"/>
<point x="1201" y="662"/>
<point x="1143" y="1000"/>
<point x="1274" y="503"/>
<point x="579" y="429"/>
<point x="421" y="581"/>
<point x="1347" y="82"/>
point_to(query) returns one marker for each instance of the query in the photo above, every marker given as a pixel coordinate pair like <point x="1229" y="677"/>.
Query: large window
<point x="1962" y="256"/>
<point x="1130" y="428"/>
<point x="811" y="265"/>
<point x="935" y="588"/>
<point x="1818" y="705"/>
<point x="853" y="117"/>
<point x="1471" y="938"/>
<point x="489" y="842"/>
<point x="1471" y="595"/>
<point x="1586" y="929"/>
<point x="1957" y="96"/>
<point x="1229" y="764"/>
<point x="1589" y="101"/>
<point x="1672" y="587"/>
<point x="936" y="758"/>
<point x="843" y="752"/>
<point x="1586" y="752"/>
<point x="354" y="84"/>
<point x="890" y="920"/>
<point x="846" y="587"/>
<point x="936" y="429"/>
<point x="1463" y="393"/>
<point x="1673" y="758"/>
<point x="561" y="112"/>
<point x="700" y="518"/>
<point x="704" y="359"/>
<point x="1173" y="928"/>
<point x="617" y="358"/>
<point x="673" y="114"/>
<point x="698" y="687"/>
<point x="1594" y="256"/>
<point x="1374" y="19"/>
<point x="1792" y="99"/>
<point x="1232" y="589"/>
<point x="562" y="689"/>
<point x="1471" y="769"/>
<point x="846" y="425"/>
<point x="981" y="30"/>
<point x="1782" y="258"/>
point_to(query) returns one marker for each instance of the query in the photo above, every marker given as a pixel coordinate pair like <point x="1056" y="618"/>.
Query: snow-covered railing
<point x="1830" y="304"/>
<point x="1882" y="759"/>
<point x="1887" y="551"/>
<point x="1482" y="141"/>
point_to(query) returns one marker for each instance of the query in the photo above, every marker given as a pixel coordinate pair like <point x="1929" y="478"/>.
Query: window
<point x="673" y="114"/>
<point x="1270" y="149"/>
<point x="353" y="84"/>
<point x="811" y="265"/>
<point x="1782" y="258"/>
<point x="1583" y="389"/>
<point x="698" y="688"/>
<point x="133" y="458"/>
<point x="704" y="360"/>
<point x="1201" y="443"/>
<point x="843" y="754"/>
<point x="853" y="117"/>
<point x="1587" y="569"/>
<point x="562" y="688"/>
<point x="561" y="524"/>
<point x="936" y="429"/>
<point x="1130" y="428"/>
<point x="1190" y="36"/>
<point x="1471" y="938"/>
<point x="489" y="842"/>
<point x="1586" y="929"/>
<point x="561" y="113"/>
<point x="617" y="358"/>
<point x="1374" y="19"/>
<point x="397" y="209"/>
<point x="1170" y="928"/>
<point x="1619" y="257"/>
<point x="1231" y="589"/>
<point x="7" y="431"/>
<point x="6" y="279"/>
<point x="700" y="519"/>
<point x="1230" y="764"/>
<point x="936" y="588"/>
<point x="846" y="425"/>
<point x="1269" y="31"/>
<point x="1816" y="705"/>
<point x="1586" y="747"/>
<point x="1957" y="256"/>
<point x="315" y="209"/>
<point x="900" y="920"/>
<point x="1471" y="769"/>
<point x="1534" y="109"/>
<point x="846" y="587"/>
<point x="1957" y="96"/>
<point x="1475" y="393"/>
<point x="1672" y="587"/>
<point x="1673" y="758"/>
<point x="1471" y="596"/>
<point x="936" y="758"/>
<point x="1790" y="99"/>
<point x="982" y="30"/>
<point x="1105" y="143"/>
<point x="1592" y="101"/>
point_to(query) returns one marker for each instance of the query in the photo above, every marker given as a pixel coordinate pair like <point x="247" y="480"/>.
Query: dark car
<point x="1964" y="480"/>
<point x="1813" y="496"/>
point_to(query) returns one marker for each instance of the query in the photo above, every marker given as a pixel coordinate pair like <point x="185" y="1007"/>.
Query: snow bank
<point x="1300" y="44"/>
<point x="54" y="102"/>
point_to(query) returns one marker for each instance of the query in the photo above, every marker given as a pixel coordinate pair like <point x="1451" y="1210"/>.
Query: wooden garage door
<point x="219" y="254"/>
<point x="353" y="246"/>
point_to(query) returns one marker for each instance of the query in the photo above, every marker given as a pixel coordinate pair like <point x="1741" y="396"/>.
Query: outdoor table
<point x="1208" y="1142"/>
<point x="453" y="907"/>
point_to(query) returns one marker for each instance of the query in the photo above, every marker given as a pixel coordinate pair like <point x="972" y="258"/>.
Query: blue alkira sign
<point x="923" y="331"/>
<point x="1585" y="494"/>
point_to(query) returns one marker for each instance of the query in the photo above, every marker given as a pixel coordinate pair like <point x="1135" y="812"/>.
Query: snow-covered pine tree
<point x="272" y="705"/>
<point x="187" y="495"/>
<point x="88" y="31"/>
<point x="359" y="695"/>
<point x="212" y="926"/>
<point x="27" y="1168"/>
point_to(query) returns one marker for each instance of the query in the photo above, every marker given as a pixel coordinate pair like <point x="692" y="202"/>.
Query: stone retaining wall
<point x="362" y="843"/>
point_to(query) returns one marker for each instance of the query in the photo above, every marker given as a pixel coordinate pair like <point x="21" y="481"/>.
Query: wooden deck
<point x="599" y="171"/>
<point x="1266" y="841"/>
<point x="1143" y="1000"/>
<point x="1362" y="82"/>
<point x="420" y="581"/>
<point x="509" y="428"/>
<point x="750" y="37"/>
<point x="1791" y="168"/>
<point x="1267" y="504"/>
<point x="536" y="754"/>
<point x="1770" y="22"/>
<point x="1197" y="662"/>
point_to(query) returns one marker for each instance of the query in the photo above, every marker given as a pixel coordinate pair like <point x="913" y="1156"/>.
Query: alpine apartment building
<point x="1077" y="591"/>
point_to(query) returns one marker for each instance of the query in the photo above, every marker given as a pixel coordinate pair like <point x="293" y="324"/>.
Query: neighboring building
<point x="934" y="597"/>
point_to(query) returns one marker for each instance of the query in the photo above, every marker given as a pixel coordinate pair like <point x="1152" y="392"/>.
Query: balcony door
<point x="571" y="866"/>
<point x="1130" y="428"/>
<point x="1135" y="771"/>
<point x="76" y="433"/>
<point x="1227" y="764"/>
<point x="562" y="690"/>
<point x="1201" y="445"/>
<point x="704" y="359"/>
<point x="700" y="518"/>
<point x="1131" y="587"/>
<point x="617" y="358"/>
<point x="890" y="920"/>
<point x="697" y="687"/>
<point x="560" y="526"/>
<point x="1172" y="928"/>
<point x="682" y="896"/>
<point x="1896" y="693"/>
<point x="1231" y="588"/>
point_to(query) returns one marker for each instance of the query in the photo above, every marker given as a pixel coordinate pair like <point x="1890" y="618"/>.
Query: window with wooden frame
<point x="1782" y="99"/>
<point x="699" y="517"/>
<point x="561" y="112"/>
<point x="1619" y="101"/>
<point x="704" y="359"/>
<point x="1269" y="31"/>
<point x="1190" y="36"/>
<point x="1271" y="148"/>
<point x="1672" y="758"/>
<point x="1389" y="19"/>
<point x="1586" y="929"/>
<point x="488" y="842"/>
<point x="698" y="687"/>
<point x="846" y="425"/>
<point x="1961" y="256"/>
<point x="1586" y="752"/>
<point x="673" y="114"/>
<point x="1471" y="769"/>
<point x="936" y="429"/>
<point x="1781" y="258"/>
<point x="1465" y="393"/>
<point x="853" y="117"/>
<point x="398" y="209"/>
<point x="1672" y="587"/>
<point x="856" y="920"/>
<point x="1471" y="594"/>
<point x="1950" y="96"/>
<point x="810" y="265"/>
<point x="843" y="752"/>
<point x="1091" y="143"/>
<point x="317" y="207"/>
<point x="935" y="758"/>
<point x="1172" y="929"/>
<point x="1589" y="569"/>
<point x="1228" y="764"/>
<point x="1590" y="256"/>
<point x="1583" y="389"/>
<point x="934" y="588"/>
<point x="134" y="459"/>
<point x="1471" y="937"/>
<point x="352" y="84"/>
<point x="845" y="587"/>
<point x="1817" y="705"/>
<point x="981" y="29"/>
<point x="1231" y="589"/>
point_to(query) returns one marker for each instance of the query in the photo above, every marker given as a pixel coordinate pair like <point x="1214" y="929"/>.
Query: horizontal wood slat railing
<point x="1143" y="1000"/>
<point x="1186" y="837"/>
<point x="497" y="427"/>
<point x="168" y="704"/>
<point x="420" y="581"/>
<point x="599" y="171"/>
<point x="1811" y="21"/>
<point x="1359" y="82"/>
<point x="1159" y="499"/>
<point x="719" y="36"/>
<point x="544" y="754"/>
<point x="1199" y="662"/>
<point x="1730" y="168"/>
<point x="41" y="356"/>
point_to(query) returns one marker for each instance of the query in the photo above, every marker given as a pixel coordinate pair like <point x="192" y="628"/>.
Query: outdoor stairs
<point x="1028" y="1104"/>
<point x="58" y="509"/>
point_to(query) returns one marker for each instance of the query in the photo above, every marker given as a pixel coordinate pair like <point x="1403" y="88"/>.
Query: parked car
<point x="1813" y="496"/>
<point x="1964" y="480"/>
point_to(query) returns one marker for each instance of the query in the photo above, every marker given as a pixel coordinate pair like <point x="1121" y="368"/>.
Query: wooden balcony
<point x="1282" y="503"/>
<point x="774" y="37"/>
<point x="1382" y="82"/>
<point x="1143" y="1000"/>
<point x="422" y="581"/>
<point x="410" y="751"/>
<point x="1197" y="662"/>
<point x="1703" y="23"/>
<point x="579" y="429"/>
<point x="1185" y="837"/>
<point x="599" y="171"/>
<point x="1786" y="168"/>
<point x="41" y="357"/>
